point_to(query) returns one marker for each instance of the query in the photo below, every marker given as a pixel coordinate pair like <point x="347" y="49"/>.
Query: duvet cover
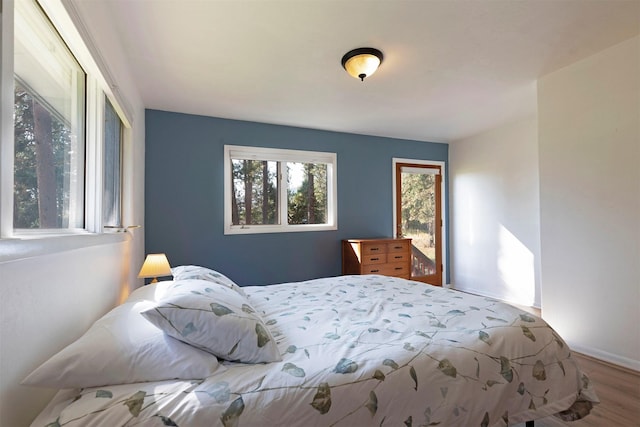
<point x="357" y="351"/>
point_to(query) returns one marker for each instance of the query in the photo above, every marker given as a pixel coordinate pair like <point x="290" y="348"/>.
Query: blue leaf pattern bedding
<point x="361" y="351"/>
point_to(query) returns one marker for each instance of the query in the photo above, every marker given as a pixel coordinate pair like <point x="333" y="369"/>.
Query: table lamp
<point x="155" y="265"/>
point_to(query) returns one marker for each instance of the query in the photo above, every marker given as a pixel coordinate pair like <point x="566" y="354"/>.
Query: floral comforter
<point x="361" y="351"/>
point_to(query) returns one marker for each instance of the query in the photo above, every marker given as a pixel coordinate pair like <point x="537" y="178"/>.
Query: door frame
<point x="444" y="211"/>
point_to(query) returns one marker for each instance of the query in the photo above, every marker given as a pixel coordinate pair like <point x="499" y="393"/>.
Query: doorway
<point x="418" y="215"/>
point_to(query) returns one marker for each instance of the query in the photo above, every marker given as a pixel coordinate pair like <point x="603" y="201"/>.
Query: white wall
<point x="589" y="148"/>
<point x="48" y="301"/>
<point x="51" y="290"/>
<point x="495" y="213"/>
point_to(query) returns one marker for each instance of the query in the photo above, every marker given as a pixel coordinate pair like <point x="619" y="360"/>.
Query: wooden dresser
<point x="390" y="257"/>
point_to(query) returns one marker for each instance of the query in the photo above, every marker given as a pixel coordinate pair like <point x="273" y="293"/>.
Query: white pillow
<point x="147" y="292"/>
<point x="215" y="318"/>
<point x="150" y="292"/>
<point x="122" y="347"/>
<point x="185" y="272"/>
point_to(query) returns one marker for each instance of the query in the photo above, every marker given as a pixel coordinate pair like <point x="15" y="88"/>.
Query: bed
<point x="339" y="351"/>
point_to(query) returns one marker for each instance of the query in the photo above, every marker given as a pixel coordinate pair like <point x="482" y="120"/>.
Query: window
<point x="49" y="111"/>
<point x="62" y="164"/>
<point x="112" y="201"/>
<point x="272" y="190"/>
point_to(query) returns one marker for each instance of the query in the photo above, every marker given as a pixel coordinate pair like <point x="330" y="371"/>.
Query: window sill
<point x="29" y="247"/>
<point x="260" y="229"/>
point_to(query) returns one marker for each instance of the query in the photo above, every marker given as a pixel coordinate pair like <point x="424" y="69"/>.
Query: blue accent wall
<point x="184" y="212"/>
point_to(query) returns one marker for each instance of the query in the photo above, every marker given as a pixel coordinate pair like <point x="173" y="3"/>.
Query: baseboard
<point x="614" y="359"/>
<point x="483" y="293"/>
<point x="595" y="353"/>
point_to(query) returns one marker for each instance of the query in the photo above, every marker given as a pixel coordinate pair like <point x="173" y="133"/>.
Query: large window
<point x="271" y="190"/>
<point x="62" y="165"/>
<point x="49" y="111"/>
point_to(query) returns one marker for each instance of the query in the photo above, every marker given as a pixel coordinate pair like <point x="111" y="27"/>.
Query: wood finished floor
<point x="617" y="388"/>
<point x="619" y="392"/>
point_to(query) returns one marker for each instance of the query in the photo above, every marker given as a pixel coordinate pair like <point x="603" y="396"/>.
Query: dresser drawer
<point x="398" y="257"/>
<point x="374" y="259"/>
<point x="373" y="269"/>
<point x="395" y="247"/>
<point x="398" y="269"/>
<point x="374" y="248"/>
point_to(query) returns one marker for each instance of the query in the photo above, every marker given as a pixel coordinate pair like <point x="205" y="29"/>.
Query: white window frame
<point x="98" y="86"/>
<point x="280" y="155"/>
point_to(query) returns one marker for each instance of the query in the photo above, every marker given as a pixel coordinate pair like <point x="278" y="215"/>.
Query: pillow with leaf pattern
<point x="184" y="272"/>
<point x="214" y="318"/>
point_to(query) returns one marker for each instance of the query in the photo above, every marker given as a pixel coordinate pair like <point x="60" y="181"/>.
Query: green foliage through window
<point x="255" y="192"/>
<point x="42" y="146"/>
<point x="307" y="193"/>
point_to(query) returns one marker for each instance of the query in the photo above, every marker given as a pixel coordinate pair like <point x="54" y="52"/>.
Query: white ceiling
<point x="451" y="68"/>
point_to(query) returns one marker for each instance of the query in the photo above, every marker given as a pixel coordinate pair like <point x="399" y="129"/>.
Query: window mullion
<point x="94" y="172"/>
<point x="6" y="123"/>
<point x="283" y="194"/>
<point x="332" y="189"/>
<point x="77" y="184"/>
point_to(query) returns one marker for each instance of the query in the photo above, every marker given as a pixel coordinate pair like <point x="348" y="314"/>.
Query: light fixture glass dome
<point x="362" y="62"/>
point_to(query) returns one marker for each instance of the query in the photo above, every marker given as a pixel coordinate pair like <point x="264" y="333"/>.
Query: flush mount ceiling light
<point x="362" y="62"/>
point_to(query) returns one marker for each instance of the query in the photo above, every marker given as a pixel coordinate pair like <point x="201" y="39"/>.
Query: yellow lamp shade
<point x="155" y="265"/>
<point x="362" y="62"/>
